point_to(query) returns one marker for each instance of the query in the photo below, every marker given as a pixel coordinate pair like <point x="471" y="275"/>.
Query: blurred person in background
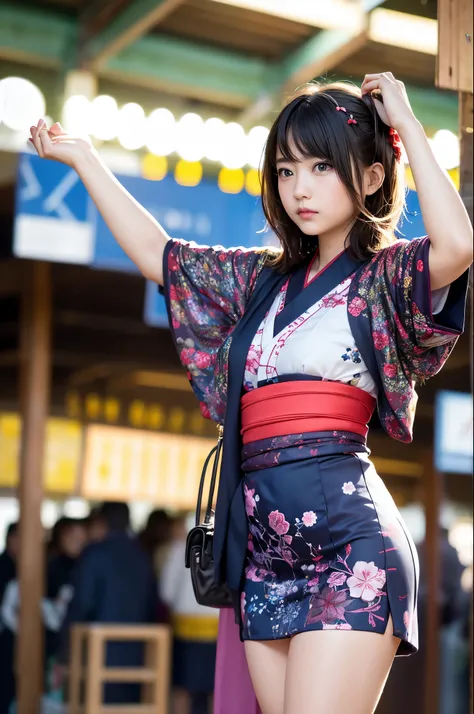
<point x="194" y="628"/>
<point x="68" y="539"/>
<point x="8" y="568"/>
<point x="9" y="557"/>
<point x="113" y="582"/>
<point x="324" y="593"/>
<point x="96" y="526"/>
<point x="156" y="537"/>
<point x="450" y="595"/>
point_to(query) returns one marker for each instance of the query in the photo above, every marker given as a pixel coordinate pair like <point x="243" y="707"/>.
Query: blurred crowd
<point x="98" y="570"/>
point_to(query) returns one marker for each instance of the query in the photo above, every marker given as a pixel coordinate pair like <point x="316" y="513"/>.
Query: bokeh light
<point x="231" y="180"/>
<point x="461" y="537"/>
<point x="77" y="114"/>
<point x="256" y="140"/>
<point x="446" y="148"/>
<point x="22" y="104"/>
<point x="190" y="137"/>
<point x="214" y="137"/>
<point x="233" y="148"/>
<point x="252" y="182"/>
<point x="188" y="173"/>
<point x="104" y="118"/>
<point x="160" y="130"/>
<point x="131" y="126"/>
<point x="154" y="167"/>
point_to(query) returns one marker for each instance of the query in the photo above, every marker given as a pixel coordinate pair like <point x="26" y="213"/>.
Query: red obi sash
<point x="303" y="406"/>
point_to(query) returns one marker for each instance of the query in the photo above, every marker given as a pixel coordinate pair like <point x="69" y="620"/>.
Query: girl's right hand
<point x="56" y="144"/>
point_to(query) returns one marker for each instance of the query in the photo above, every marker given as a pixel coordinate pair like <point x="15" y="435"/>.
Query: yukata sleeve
<point x="206" y="290"/>
<point x="426" y="323"/>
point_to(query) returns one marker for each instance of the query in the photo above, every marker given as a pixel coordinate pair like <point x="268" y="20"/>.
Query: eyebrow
<point x="282" y="160"/>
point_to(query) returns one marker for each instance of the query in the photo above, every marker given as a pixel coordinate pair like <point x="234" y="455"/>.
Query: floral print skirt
<point x="327" y="548"/>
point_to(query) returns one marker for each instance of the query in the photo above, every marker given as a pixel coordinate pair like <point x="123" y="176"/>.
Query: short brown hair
<point x="310" y="119"/>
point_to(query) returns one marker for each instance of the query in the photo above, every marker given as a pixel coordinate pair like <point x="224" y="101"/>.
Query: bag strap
<point x="216" y="452"/>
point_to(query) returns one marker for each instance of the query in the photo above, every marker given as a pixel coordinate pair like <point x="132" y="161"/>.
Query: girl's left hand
<point x="395" y="111"/>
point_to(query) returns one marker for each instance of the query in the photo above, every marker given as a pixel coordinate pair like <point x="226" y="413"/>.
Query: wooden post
<point x="35" y="388"/>
<point x="455" y="45"/>
<point x="466" y="133"/>
<point x="466" y="121"/>
<point x="432" y="497"/>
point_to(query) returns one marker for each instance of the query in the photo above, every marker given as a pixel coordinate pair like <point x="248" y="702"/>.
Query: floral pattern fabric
<point x="331" y="553"/>
<point x="207" y="290"/>
<point x="390" y="303"/>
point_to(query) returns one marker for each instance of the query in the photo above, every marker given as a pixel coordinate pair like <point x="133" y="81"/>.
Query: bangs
<point x="308" y="126"/>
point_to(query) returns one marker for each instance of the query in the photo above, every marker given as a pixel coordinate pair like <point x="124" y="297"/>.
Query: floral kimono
<point x="293" y="540"/>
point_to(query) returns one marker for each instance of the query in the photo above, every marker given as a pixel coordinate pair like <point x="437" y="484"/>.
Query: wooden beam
<point x="134" y="22"/>
<point x="326" y="15"/>
<point x="35" y="389"/>
<point x="320" y="55"/>
<point x="38" y="35"/>
<point x="159" y="63"/>
<point x="316" y="57"/>
<point x="191" y="69"/>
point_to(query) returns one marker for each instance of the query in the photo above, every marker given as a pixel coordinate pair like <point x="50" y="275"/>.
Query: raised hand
<point x="54" y="143"/>
<point x="395" y="111"/>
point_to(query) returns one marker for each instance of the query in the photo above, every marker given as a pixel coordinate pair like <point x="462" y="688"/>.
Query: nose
<point x="302" y="189"/>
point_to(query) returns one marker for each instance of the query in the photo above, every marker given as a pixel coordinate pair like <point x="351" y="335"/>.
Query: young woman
<point x="292" y="351"/>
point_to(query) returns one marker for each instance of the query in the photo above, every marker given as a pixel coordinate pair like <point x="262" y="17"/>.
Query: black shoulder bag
<point x="199" y="543"/>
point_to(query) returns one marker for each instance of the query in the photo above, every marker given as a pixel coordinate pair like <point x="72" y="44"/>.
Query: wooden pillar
<point x="455" y="45"/>
<point x="466" y="121"/>
<point x="432" y="497"/>
<point x="466" y="133"/>
<point x="455" y="71"/>
<point x="35" y="371"/>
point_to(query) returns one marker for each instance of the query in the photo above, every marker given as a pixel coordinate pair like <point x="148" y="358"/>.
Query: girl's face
<point x="313" y="195"/>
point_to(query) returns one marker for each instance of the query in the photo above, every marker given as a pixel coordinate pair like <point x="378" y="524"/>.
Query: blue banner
<point x="453" y="432"/>
<point x="56" y="220"/>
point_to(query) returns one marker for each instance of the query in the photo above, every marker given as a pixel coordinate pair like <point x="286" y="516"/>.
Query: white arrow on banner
<point x="33" y="187"/>
<point x="55" y="201"/>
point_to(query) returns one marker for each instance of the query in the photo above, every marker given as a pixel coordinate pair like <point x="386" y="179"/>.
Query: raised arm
<point x="134" y="228"/>
<point x="444" y="215"/>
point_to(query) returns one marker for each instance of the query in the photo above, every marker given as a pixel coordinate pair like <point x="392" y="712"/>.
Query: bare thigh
<point x="267" y="665"/>
<point x="338" y="671"/>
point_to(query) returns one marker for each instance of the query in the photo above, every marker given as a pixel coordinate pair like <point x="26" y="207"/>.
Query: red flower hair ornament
<point x="393" y="137"/>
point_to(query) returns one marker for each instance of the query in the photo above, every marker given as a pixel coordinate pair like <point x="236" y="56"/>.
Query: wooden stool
<point x="91" y="669"/>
